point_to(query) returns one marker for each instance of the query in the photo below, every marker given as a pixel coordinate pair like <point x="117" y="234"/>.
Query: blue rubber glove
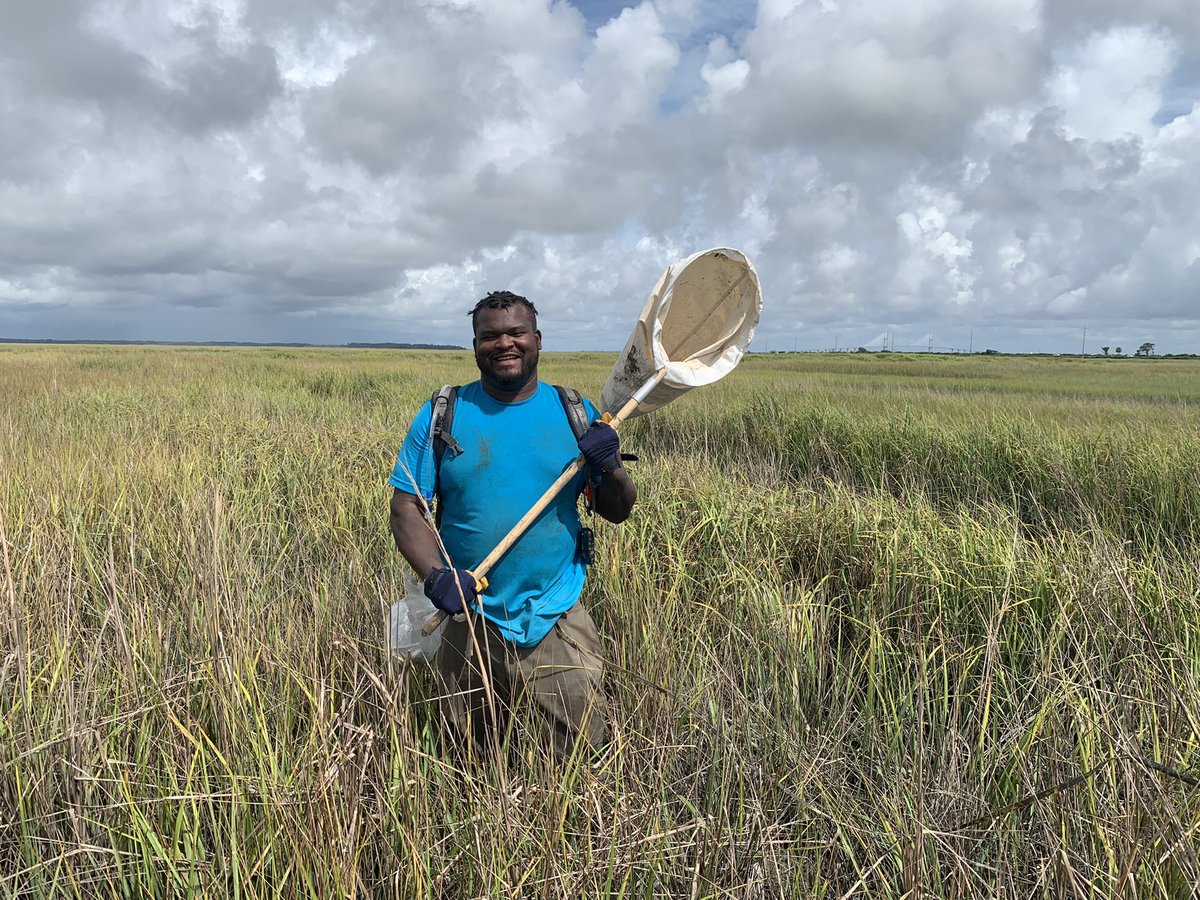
<point x="601" y="448"/>
<point x="449" y="588"/>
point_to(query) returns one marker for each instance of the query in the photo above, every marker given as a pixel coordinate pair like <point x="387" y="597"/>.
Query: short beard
<point x="516" y="382"/>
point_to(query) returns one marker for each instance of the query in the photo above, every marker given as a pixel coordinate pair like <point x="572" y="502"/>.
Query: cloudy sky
<point x="966" y="173"/>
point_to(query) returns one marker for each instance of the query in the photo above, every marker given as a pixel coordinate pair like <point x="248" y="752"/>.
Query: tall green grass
<point x="878" y="627"/>
<point x="1137" y="484"/>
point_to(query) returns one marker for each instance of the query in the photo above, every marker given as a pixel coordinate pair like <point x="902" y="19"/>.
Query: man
<point x="526" y="638"/>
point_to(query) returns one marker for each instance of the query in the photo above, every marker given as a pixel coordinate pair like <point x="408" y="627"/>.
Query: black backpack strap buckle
<point x="440" y="436"/>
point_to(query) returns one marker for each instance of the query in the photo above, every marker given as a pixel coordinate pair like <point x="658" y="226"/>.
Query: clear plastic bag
<point x="406" y="618"/>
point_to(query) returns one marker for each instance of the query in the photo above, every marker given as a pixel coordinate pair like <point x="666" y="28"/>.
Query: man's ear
<point x="538" y="334"/>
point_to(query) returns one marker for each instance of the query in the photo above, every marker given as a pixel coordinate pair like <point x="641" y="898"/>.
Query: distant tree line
<point x="118" y="342"/>
<point x="1147" y="349"/>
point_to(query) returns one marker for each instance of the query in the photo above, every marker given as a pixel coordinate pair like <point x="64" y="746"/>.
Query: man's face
<point x="506" y="347"/>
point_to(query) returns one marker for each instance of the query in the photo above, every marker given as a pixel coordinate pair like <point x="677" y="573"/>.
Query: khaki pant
<point x="559" y="677"/>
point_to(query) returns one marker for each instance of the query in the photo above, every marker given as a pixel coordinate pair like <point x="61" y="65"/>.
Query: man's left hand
<point x="601" y="448"/>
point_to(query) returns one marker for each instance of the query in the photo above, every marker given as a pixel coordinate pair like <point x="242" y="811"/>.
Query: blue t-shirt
<point x="511" y="453"/>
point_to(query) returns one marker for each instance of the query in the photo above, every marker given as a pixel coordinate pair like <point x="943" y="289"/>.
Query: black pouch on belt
<point x="585" y="546"/>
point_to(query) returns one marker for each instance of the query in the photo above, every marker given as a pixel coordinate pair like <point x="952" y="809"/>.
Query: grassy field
<point x="881" y="626"/>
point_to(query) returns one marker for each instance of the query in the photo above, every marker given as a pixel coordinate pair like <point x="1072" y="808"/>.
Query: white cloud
<point x="630" y="67"/>
<point x="1112" y="85"/>
<point x="723" y="81"/>
<point x="299" y="170"/>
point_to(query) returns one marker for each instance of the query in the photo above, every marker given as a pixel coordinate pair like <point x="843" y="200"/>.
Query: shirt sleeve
<point x="593" y="413"/>
<point x="414" y="471"/>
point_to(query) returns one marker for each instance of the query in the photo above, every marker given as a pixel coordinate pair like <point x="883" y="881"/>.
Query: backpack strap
<point x="577" y="415"/>
<point x="572" y="404"/>
<point x="440" y="436"/>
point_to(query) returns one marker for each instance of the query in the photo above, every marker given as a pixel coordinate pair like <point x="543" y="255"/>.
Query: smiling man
<point x="526" y="638"/>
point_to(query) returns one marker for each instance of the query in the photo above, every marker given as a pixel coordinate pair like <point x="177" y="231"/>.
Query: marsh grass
<point x="885" y="628"/>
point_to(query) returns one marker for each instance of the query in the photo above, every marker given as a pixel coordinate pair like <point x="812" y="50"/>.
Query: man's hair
<point x="502" y="300"/>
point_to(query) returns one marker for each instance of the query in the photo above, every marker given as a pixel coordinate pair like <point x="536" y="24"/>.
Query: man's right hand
<point x="450" y="589"/>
